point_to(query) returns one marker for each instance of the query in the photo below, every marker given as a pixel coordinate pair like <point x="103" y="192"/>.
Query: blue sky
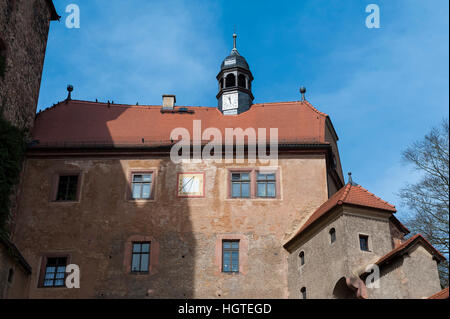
<point x="383" y="88"/>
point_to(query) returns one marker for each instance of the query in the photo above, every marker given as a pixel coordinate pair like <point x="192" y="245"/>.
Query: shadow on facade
<point x="342" y="291"/>
<point x="164" y="221"/>
<point x="98" y="230"/>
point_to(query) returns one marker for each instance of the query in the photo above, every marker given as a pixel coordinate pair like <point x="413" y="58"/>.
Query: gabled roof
<point x="350" y="194"/>
<point x="443" y="294"/>
<point x="90" y="122"/>
<point x="417" y="239"/>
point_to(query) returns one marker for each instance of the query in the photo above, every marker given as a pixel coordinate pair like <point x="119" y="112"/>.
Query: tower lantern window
<point x="241" y="81"/>
<point x="230" y="80"/>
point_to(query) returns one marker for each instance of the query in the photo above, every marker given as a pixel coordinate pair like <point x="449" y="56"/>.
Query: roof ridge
<point x="159" y="106"/>
<point x="49" y="108"/>
<point x="93" y="103"/>
<point x="282" y="102"/>
<point x="347" y="189"/>
<point x="139" y="105"/>
<point x="314" y="109"/>
<point x="378" y="198"/>
<point x="339" y="198"/>
<point x="421" y="236"/>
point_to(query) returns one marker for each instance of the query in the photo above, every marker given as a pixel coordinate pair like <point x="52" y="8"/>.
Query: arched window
<point x="221" y="84"/>
<point x="303" y="292"/>
<point x="332" y="235"/>
<point x="241" y="81"/>
<point x="230" y="80"/>
<point x="302" y="258"/>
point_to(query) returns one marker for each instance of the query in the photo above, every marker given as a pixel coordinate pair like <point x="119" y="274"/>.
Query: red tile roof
<point x="443" y="294"/>
<point x="407" y="244"/>
<point x="82" y="121"/>
<point x="400" y="226"/>
<point x="349" y="194"/>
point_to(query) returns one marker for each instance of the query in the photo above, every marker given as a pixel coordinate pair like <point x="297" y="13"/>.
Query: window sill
<point x="231" y="273"/>
<point x="140" y="274"/>
<point x="255" y="200"/>
<point x="141" y="200"/>
<point x="65" y="202"/>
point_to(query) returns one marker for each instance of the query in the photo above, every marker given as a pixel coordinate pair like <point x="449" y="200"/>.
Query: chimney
<point x="169" y="101"/>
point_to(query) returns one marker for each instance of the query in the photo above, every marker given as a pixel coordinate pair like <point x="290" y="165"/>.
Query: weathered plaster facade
<point x="95" y="230"/>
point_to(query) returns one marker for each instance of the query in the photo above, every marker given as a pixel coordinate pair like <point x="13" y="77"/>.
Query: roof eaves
<point x="331" y="126"/>
<point x="341" y="200"/>
<point x="314" y="109"/>
<point x="399" y="224"/>
<point x="302" y="230"/>
<point x="405" y="246"/>
<point x="378" y="198"/>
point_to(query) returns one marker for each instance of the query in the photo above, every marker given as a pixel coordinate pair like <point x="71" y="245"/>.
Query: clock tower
<point x="235" y="84"/>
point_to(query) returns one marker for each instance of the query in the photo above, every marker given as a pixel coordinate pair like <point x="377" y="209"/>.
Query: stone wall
<point x="373" y="224"/>
<point x="326" y="264"/>
<point x="14" y="279"/>
<point x="187" y="233"/>
<point x="24" y="26"/>
<point x="411" y="276"/>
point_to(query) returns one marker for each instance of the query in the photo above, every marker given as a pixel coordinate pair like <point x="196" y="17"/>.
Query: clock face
<point x="191" y="184"/>
<point x="229" y="101"/>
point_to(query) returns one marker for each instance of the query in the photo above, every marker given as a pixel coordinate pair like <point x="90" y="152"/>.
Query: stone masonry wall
<point x="326" y="263"/>
<point x="16" y="285"/>
<point x="24" y="26"/>
<point x="411" y="276"/>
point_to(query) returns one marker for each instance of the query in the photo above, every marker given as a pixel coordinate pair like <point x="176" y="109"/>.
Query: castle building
<point x="101" y="191"/>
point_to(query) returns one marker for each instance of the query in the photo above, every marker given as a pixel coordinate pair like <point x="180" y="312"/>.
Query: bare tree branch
<point x="428" y="199"/>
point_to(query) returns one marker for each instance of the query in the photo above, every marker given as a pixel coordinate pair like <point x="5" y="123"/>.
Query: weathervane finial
<point x="350" y="179"/>
<point x="234" y="40"/>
